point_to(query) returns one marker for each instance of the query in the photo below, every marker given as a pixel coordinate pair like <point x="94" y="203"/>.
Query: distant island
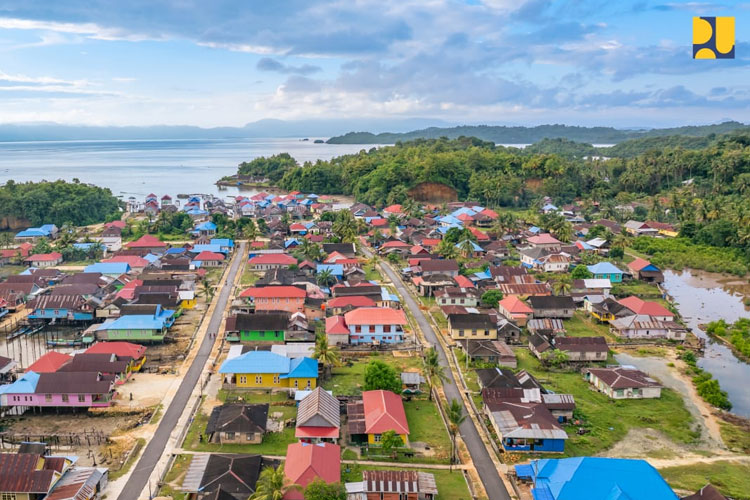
<point x="530" y="135"/>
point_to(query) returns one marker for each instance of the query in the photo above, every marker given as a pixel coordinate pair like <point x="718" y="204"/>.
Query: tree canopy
<point x="379" y="375"/>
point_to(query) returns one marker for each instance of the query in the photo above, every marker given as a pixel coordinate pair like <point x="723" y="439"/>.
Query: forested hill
<point x="529" y="135"/>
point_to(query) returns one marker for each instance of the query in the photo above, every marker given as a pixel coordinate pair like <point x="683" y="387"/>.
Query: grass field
<point x="608" y="420"/>
<point x="11" y="269"/>
<point x="450" y="485"/>
<point x="426" y="426"/>
<point x="348" y="380"/>
<point x="731" y="478"/>
<point x="581" y="325"/>
<point x="173" y="478"/>
<point x="249" y="277"/>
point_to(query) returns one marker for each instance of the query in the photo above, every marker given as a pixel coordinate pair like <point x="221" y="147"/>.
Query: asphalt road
<point x="155" y="448"/>
<point x="493" y="484"/>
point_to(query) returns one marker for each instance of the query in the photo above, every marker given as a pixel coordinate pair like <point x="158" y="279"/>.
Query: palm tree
<point x="345" y="226"/>
<point x="6" y="240"/>
<point x="466" y="247"/>
<point x="272" y="484"/>
<point x="562" y="286"/>
<point x="433" y="370"/>
<point x="327" y="356"/>
<point x="207" y="290"/>
<point x="250" y="231"/>
<point x="326" y="278"/>
<point x="455" y="418"/>
<point x="564" y="231"/>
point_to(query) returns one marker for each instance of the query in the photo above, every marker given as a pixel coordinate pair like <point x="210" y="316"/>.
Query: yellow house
<point x="382" y="411"/>
<point x="472" y="326"/>
<point x="30" y="476"/>
<point x="268" y="370"/>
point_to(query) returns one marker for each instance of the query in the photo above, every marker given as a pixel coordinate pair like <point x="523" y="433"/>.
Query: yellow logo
<point x="713" y="38"/>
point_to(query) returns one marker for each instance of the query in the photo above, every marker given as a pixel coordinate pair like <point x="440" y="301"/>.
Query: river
<point x="137" y="168"/>
<point x="702" y="297"/>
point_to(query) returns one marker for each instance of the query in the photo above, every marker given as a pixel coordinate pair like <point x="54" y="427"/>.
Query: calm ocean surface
<point x="136" y="168"/>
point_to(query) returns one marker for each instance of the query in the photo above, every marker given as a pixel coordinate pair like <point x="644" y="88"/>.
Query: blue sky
<point x="145" y="62"/>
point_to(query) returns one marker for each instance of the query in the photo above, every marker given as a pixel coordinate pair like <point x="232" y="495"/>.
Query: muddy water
<point x="702" y="297"/>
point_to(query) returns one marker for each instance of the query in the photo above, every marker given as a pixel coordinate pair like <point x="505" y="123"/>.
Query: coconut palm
<point x="326" y="278"/>
<point x="345" y="226"/>
<point x="562" y="286"/>
<point x="466" y="247"/>
<point x="433" y="370"/>
<point x="272" y="484"/>
<point x="455" y="418"/>
<point x="207" y="290"/>
<point x="325" y="354"/>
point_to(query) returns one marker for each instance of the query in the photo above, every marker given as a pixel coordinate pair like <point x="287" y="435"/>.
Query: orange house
<point x="276" y="298"/>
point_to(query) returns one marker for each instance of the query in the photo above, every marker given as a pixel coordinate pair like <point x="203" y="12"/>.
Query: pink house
<point x="73" y="389"/>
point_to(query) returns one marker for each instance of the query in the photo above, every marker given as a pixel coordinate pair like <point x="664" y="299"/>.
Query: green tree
<point x="390" y="442"/>
<point x="562" y="286"/>
<point x="325" y="278"/>
<point x="320" y="490"/>
<point x="272" y="484"/>
<point x="554" y="357"/>
<point x="6" y="240"/>
<point x="581" y="272"/>
<point x="207" y="291"/>
<point x="326" y="355"/>
<point x="345" y="226"/>
<point x="433" y="370"/>
<point x="393" y="258"/>
<point x="455" y="418"/>
<point x="42" y="246"/>
<point x="492" y="297"/>
<point x="379" y="375"/>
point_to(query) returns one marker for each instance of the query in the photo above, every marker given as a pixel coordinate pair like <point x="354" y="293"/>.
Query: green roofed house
<point x="258" y="327"/>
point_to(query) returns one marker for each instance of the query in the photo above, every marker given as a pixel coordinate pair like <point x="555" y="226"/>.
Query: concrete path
<point x="156" y="446"/>
<point x="489" y="475"/>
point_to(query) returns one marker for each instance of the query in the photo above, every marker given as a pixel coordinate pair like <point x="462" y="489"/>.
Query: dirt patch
<point x="433" y="192"/>
<point x="642" y="443"/>
<point x="147" y="389"/>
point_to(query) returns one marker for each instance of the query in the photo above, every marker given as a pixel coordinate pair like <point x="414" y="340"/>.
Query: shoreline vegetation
<point x="735" y="335"/>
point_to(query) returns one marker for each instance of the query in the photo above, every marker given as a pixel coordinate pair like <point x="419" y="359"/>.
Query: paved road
<point x="493" y="484"/>
<point x="155" y="448"/>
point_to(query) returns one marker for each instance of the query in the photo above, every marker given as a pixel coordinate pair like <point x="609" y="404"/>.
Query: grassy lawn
<point x="607" y="420"/>
<point x="450" y="485"/>
<point x="274" y="443"/>
<point x="580" y="325"/>
<point x="470" y="375"/>
<point x="11" y="269"/>
<point x="426" y="426"/>
<point x="249" y="277"/>
<point x="174" y="478"/>
<point x="635" y="287"/>
<point x="348" y="380"/>
<point x="736" y="437"/>
<point x="731" y="478"/>
<point x="372" y="274"/>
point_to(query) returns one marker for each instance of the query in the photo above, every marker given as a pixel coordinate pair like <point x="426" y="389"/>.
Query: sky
<point x="226" y="63"/>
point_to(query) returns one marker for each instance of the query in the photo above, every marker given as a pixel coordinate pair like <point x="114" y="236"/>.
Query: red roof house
<point x="352" y="301"/>
<point x="44" y="259"/>
<point x="206" y="256"/>
<point x="647" y="308"/>
<point x="463" y="282"/>
<point x="272" y="261"/>
<point x="384" y="411"/>
<point x="276" y="298"/>
<point x="392" y="209"/>
<point x="514" y="308"/>
<point x="147" y="241"/>
<point x="120" y="349"/>
<point x="375" y="316"/>
<point x="49" y="362"/>
<point x="306" y="462"/>
<point x="544" y="239"/>
<point x="133" y="261"/>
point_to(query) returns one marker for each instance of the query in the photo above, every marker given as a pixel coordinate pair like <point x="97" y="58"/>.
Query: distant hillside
<point x="530" y="135"/>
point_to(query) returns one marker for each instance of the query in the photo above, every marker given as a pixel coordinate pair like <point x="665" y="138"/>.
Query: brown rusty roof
<point x="19" y="474"/>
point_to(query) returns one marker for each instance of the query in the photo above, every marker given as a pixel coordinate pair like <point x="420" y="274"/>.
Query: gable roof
<point x="514" y="305"/>
<point x="335" y="325"/>
<point x="623" y="377"/>
<point x="19" y="474"/>
<point x="351" y="300"/>
<point x="375" y="316"/>
<point x="319" y="409"/>
<point x="235" y="474"/>
<point x="241" y="418"/>
<point x="273" y="259"/>
<point x="306" y="462"/>
<point x="120" y="349"/>
<point x="74" y="383"/>
<point x="49" y="362"/>
<point x="640" y="306"/>
<point x="44" y="257"/>
<point x="384" y="411"/>
<point x="283" y="291"/>
<point x="146" y="241"/>
<point x="604" y="268"/>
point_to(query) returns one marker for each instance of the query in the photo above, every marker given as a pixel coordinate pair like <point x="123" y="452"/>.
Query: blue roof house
<point x="34" y="233"/>
<point x="337" y="270"/>
<point x="206" y="228"/>
<point x="14" y="394"/>
<point x="113" y="269"/>
<point x="595" y="478"/>
<point x="226" y="244"/>
<point x="265" y="369"/>
<point x="606" y="270"/>
<point x="138" y="327"/>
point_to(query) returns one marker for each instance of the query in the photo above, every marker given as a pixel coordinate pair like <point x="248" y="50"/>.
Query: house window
<point x="473" y="332"/>
<point x="276" y="379"/>
<point x="48" y="398"/>
<point x="309" y="385"/>
<point x="486" y="333"/>
<point x="296" y="384"/>
<point x="229" y="435"/>
<point x="81" y="398"/>
<point x="250" y="436"/>
<point x="376" y="438"/>
<point x="8" y="496"/>
<point x="460" y="333"/>
<point x="65" y="398"/>
<point x="243" y="379"/>
<point x="258" y="379"/>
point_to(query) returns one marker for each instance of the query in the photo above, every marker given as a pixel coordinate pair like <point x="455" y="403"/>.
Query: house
<point x="134" y="353"/>
<point x="136" y="263"/>
<point x="642" y="327"/>
<point x="41" y="260"/>
<point x="228" y="477"/>
<point x="318" y="417"/>
<point x="451" y="295"/>
<point x="206" y="228"/>
<point x="472" y="326"/>
<point x="578" y="349"/>
<point x="267" y="261"/>
<point x="552" y="306"/>
<point x="340" y="305"/>
<point x="378" y="412"/>
<point x="105" y="364"/>
<point x="623" y="382"/>
<point x="7" y="366"/>
<point x="33" y="234"/>
<point x="447" y="267"/>
<point x="267" y="370"/>
<point x="68" y="389"/>
<point x="31" y="476"/>
<point x="605" y="309"/>
<point x="346" y="249"/>
<point x="237" y="423"/>
<point x="515" y="309"/>
<point x="560" y="406"/>
<point x="606" y="270"/>
<point x="428" y="285"/>
<point x="489" y="351"/>
<point x="526" y="427"/>
<point x="336" y="330"/>
<point x="209" y="259"/>
<point x="112" y="269"/>
<point x="637" y="228"/>
<point x="276" y="298"/>
<point x="61" y="307"/>
<point x="524" y="289"/>
<point x="307" y="462"/>
<point x="664" y="228"/>
<point x="80" y="483"/>
<point x="594" y="478"/>
<point x="645" y="271"/>
<point x="708" y="492"/>
<point x="499" y="378"/>
<point x="543" y="240"/>
<point x="49" y="362"/>
<point x="647" y="309"/>
<point x="151" y="326"/>
<point x="549" y="260"/>
<point x="393" y="484"/>
<point x="375" y="325"/>
<point x="546" y="326"/>
<point x="258" y="327"/>
<point x="590" y="287"/>
<point x="147" y="244"/>
<point x="412" y="382"/>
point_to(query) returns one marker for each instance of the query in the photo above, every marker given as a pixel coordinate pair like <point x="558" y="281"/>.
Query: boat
<point x="18" y="333"/>
<point x="64" y="342"/>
